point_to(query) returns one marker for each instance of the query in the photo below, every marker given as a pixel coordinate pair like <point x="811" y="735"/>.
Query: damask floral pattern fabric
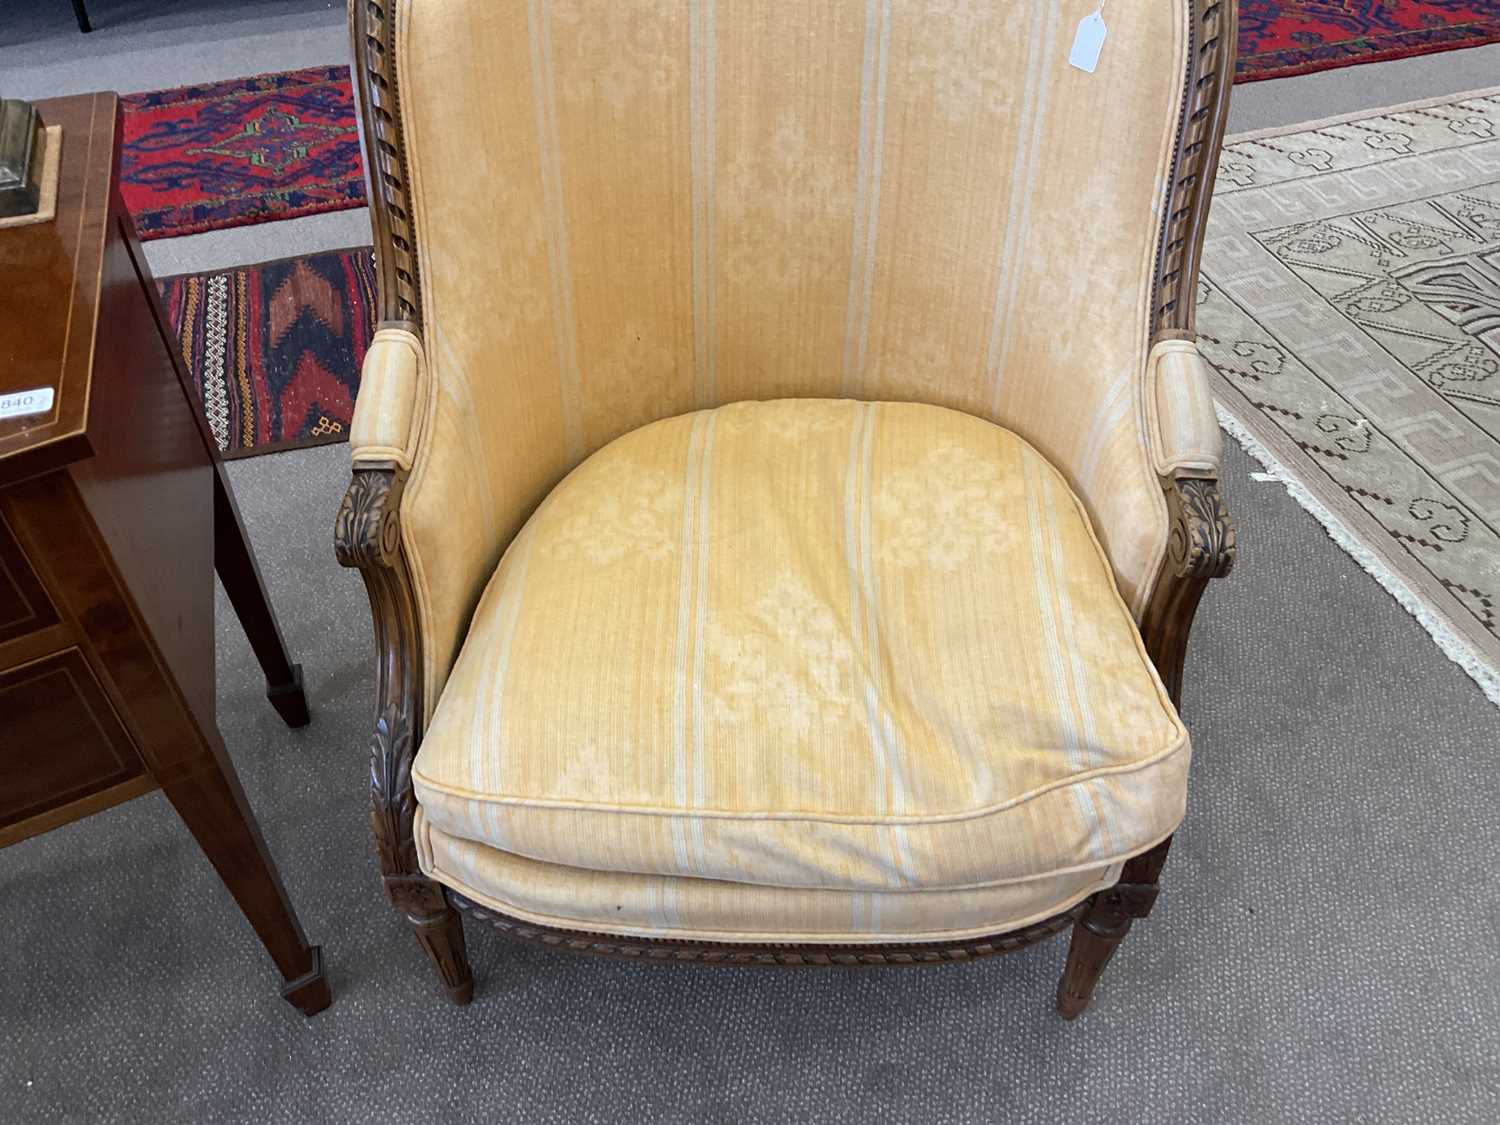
<point x="1351" y="303"/>
<point x="808" y="644"/>
<point x="628" y="211"/>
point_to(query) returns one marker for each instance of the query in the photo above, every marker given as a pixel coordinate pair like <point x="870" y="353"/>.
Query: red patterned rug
<point x="276" y="146"/>
<point x="275" y="349"/>
<point x="1279" y="38"/>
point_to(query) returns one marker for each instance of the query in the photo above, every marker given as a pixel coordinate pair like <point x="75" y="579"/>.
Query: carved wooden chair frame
<point x="367" y="536"/>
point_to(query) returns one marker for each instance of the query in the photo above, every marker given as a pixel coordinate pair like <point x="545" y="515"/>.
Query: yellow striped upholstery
<point x="384" y="427"/>
<point x="805" y="644"/>
<point x="629" y="209"/>
<point x="671" y="906"/>
<point x="1184" y="429"/>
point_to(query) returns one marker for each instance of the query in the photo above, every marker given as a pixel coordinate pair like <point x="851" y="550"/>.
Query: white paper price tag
<point x="1088" y="41"/>
<point x="18" y="404"/>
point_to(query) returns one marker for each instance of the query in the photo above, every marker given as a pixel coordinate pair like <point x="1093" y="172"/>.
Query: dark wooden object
<point x="368" y="536"/>
<point x="114" y="515"/>
<point x="82" y="15"/>
<point x="21" y="152"/>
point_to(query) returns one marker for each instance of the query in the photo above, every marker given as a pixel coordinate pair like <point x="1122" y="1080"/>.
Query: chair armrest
<point x="386" y="414"/>
<point x="1181" y="425"/>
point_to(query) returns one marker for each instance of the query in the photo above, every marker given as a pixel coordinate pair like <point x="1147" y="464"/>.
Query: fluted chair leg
<point x="439" y="930"/>
<point x="442" y="936"/>
<point x="1098" y="933"/>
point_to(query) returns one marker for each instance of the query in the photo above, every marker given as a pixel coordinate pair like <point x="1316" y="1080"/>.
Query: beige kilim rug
<point x="1350" y="301"/>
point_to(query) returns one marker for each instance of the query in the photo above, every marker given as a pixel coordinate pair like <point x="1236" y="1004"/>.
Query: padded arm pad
<point x="385" y="414"/>
<point x="1184" y="429"/>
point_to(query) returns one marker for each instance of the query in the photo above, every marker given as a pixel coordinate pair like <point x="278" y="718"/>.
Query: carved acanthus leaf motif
<point x="393" y="801"/>
<point x="367" y="536"/>
<point x="1202" y="534"/>
<point x="367" y="532"/>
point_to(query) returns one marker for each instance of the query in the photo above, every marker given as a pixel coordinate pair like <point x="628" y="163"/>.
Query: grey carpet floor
<point x="1324" y="949"/>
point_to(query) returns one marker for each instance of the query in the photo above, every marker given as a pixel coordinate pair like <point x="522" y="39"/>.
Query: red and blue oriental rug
<point x="250" y="150"/>
<point x="1280" y="38"/>
<point x="275" y="349"/>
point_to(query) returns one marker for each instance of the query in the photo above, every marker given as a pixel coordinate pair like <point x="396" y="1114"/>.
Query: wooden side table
<point x="114" y="514"/>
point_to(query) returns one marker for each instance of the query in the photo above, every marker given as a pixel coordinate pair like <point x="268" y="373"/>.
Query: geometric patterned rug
<point x="275" y="349"/>
<point x="1278" y="38"/>
<point x="1350" y="302"/>
<point x="250" y="150"/>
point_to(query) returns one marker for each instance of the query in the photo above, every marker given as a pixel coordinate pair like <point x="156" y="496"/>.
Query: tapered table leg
<point x="240" y="575"/>
<point x="82" y="15"/>
<point x="207" y="795"/>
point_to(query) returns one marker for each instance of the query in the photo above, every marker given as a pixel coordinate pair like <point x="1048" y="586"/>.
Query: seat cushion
<point x="811" y="644"/>
<point x="684" y="908"/>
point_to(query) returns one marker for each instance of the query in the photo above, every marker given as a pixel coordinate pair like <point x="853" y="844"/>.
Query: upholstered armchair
<point x="784" y="476"/>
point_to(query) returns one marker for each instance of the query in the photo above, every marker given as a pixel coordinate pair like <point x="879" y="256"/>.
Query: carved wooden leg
<point x="442" y="936"/>
<point x="439" y="930"/>
<point x="1099" y="932"/>
<point x="367" y="535"/>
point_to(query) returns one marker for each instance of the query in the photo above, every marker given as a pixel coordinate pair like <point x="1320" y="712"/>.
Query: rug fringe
<point x="1454" y="647"/>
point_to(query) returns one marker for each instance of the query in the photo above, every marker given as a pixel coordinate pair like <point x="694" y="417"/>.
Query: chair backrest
<point x="627" y="209"/>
